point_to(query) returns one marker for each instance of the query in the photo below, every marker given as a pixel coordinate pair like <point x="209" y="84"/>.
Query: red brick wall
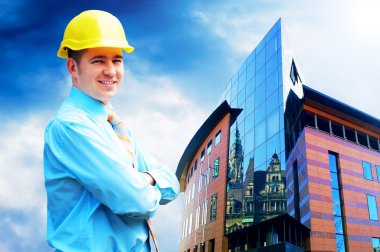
<point x="214" y="229"/>
<point x="313" y="146"/>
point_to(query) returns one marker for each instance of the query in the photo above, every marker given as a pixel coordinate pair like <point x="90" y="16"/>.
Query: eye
<point x="118" y="61"/>
<point x="98" y="61"/>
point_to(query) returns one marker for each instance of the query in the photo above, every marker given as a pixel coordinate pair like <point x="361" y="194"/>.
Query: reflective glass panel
<point x="272" y="82"/>
<point x="260" y="77"/>
<point x="260" y="59"/>
<point x="249" y="140"/>
<point x="241" y="97"/>
<point x="260" y="113"/>
<point x="282" y="140"/>
<point x="250" y="87"/>
<point x="271" y="65"/>
<point x="332" y="163"/>
<point x="340" y="247"/>
<point x="234" y="89"/>
<point x="372" y="207"/>
<point x="242" y="80"/>
<point x="273" y="125"/>
<point x="334" y="180"/>
<point x="367" y="170"/>
<point x="260" y="155"/>
<point x="338" y="225"/>
<point x="249" y="121"/>
<point x="273" y="145"/>
<point x="260" y="133"/>
<point x="272" y="102"/>
<point x="260" y="95"/>
<point x="271" y="47"/>
<point x="336" y="202"/>
<point x="251" y="58"/>
<point x="281" y="114"/>
<point x="376" y="244"/>
<point x="250" y="104"/>
<point x="228" y="96"/>
<point x="378" y="172"/>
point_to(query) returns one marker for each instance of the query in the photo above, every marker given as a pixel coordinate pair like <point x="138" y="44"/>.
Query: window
<point x="337" y="129"/>
<point x="309" y="119"/>
<point x="200" y="183"/>
<point x="213" y="207"/>
<point x="190" y="223"/>
<point x="217" y="138"/>
<point x="376" y="244"/>
<point x="367" y="171"/>
<point x="350" y="134"/>
<point x="373" y="143"/>
<point x="323" y="124"/>
<point x="372" y="207"/>
<point x="336" y="199"/>
<point x="204" y="213"/>
<point x="195" y="164"/>
<point x="294" y="74"/>
<point x="192" y="191"/>
<point x="186" y="226"/>
<point x="215" y="171"/>
<point x="191" y="172"/>
<point x="207" y="177"/>
<point x="362" y="138"/>
<point x="183" y="229"/>
<point x="211" y="245"/>
<point x="378" y="172"/>
<point x="209" y="146"/>
<point x="202" y="155"/>
<point x="197" y="218"/>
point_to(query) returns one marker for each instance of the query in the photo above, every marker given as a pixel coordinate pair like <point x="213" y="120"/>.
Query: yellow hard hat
<point x="93" y="28"/>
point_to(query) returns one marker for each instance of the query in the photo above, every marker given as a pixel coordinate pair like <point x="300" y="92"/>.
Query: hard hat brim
<point x="63" y="53"/>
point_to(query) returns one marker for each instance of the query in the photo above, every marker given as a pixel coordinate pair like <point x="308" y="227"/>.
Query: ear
<point x="72" y="67"/>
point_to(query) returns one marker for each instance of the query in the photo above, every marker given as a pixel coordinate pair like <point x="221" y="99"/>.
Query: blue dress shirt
<point x="96" y="201"/>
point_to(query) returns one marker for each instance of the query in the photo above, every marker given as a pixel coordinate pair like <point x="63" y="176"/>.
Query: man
<point x="101" y="187"/>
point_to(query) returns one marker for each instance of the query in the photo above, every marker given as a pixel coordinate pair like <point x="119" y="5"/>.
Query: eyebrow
<point x="104" y="57"/>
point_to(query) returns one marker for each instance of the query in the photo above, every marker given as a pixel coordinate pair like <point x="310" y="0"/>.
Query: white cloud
<point x="22" y="194"/>
<point x="22" y="173"/>
<point x="160" y="116"/>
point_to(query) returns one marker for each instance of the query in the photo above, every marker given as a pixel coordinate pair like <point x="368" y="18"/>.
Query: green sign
<point x="246" y="220"/>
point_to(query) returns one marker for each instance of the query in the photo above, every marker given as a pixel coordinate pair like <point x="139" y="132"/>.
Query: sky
<point x="186" y="52"/>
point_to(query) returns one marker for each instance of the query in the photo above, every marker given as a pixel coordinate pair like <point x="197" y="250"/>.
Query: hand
<point x="149" y="178"/>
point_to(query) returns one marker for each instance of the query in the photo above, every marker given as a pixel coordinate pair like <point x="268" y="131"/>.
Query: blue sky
<point x="186" y="52"/>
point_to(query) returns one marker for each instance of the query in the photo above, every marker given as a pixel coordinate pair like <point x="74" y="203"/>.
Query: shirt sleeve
<point x="94" y="160"/>
<point x="166" y="181"/>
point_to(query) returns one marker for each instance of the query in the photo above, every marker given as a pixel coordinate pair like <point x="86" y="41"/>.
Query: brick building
<point x="279" y="166"/>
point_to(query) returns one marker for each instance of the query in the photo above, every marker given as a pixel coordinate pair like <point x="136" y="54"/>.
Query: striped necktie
<point x="120" y="130"/>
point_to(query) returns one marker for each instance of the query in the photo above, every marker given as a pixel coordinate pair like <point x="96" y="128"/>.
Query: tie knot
<point x="113" y="118"/>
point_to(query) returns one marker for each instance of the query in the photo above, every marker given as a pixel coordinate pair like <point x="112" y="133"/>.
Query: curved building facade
<point x="279" y="166"/>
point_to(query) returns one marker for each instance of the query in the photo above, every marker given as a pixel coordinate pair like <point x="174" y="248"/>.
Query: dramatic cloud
<point x="22" y="194"/>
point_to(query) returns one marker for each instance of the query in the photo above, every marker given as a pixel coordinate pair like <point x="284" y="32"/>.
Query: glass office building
<point x="256" y="182"/>
<point x="292" y="169"/>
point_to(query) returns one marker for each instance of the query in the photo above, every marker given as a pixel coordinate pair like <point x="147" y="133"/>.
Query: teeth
<point x="107" y="82"/>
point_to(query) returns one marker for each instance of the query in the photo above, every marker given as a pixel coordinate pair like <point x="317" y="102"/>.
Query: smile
<point x="109" y="83"/>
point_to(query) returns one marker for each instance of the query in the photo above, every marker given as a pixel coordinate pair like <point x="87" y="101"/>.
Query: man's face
<point x="99" y="73"/>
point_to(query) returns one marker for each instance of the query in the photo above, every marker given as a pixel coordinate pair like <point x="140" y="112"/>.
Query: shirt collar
<point x="89" y="104"/>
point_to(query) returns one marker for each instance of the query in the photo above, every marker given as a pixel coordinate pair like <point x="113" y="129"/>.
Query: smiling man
<point x="102" y="189"/>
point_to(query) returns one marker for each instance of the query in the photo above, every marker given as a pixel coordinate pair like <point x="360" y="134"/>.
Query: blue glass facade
<point x="256" y="181"/>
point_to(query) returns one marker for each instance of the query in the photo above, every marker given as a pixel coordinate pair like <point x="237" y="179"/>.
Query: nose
<point x="109" y="69"/>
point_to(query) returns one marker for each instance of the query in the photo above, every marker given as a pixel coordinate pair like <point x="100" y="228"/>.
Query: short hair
<point x="75" y="55"/>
